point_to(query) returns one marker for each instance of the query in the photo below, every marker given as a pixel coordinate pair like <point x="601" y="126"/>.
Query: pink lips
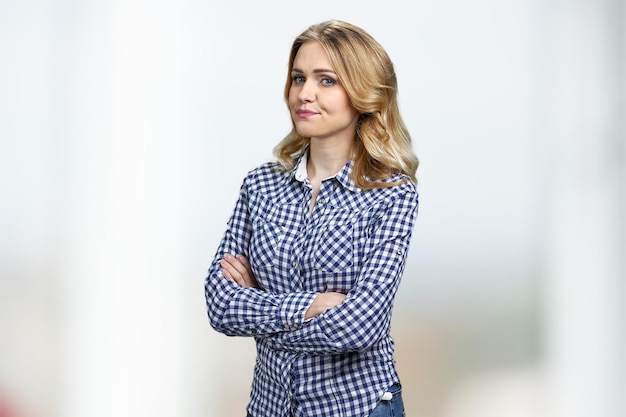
<point x="305" y="113"/>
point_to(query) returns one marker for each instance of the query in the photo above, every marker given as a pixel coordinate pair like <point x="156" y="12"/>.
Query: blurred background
<point x="127" y="126"/>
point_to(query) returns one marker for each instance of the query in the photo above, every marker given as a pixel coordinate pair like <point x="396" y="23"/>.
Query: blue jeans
<point x="391" y="408"/>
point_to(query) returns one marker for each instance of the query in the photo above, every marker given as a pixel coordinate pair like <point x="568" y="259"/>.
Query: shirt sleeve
<point x="237" y="311"/>
<point x="365" y="315"/>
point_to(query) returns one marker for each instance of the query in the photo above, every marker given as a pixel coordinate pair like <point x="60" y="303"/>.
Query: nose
<point x="308" y="91"/>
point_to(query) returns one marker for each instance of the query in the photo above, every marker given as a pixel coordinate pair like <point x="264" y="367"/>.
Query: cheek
<point x="293" y="98"/>
<point x="348" y="110"/>
<point x="343" y="104"/>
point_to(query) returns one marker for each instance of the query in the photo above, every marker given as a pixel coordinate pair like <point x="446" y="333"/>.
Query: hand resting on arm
<point x="237" y="269"/>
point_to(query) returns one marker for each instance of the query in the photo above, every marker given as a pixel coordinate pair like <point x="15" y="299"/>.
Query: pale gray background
<point x="127" y="126"/>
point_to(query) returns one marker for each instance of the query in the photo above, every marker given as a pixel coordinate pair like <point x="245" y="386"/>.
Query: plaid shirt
<point x="355" y="242"/>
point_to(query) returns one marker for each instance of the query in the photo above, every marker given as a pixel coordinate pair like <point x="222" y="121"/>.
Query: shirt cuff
<point x="293" y="308"/>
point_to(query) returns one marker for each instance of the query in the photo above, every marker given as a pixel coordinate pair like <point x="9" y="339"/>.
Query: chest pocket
<point x="266" y="237"/>
<point x="334" y="249"/>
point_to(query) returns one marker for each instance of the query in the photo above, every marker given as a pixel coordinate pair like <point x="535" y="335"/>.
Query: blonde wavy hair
<point x="382" y="142"/>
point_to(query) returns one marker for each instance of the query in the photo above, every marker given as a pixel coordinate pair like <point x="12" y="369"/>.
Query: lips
<point x="305" y="113"/>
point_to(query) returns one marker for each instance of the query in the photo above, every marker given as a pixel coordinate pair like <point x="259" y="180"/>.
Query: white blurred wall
<point x="582" y="114"/>
<point x="126" y="128"/>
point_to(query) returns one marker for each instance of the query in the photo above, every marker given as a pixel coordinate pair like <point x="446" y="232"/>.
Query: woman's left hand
<point x="237" y="269"/>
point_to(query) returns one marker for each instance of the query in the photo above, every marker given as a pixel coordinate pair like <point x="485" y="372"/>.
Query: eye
<point x="327" y="81"/>
<point x="297" y="79"/>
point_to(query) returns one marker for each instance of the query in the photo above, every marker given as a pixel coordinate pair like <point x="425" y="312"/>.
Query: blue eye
<point x="297" y="79"/>
<point x="327" y="81"/>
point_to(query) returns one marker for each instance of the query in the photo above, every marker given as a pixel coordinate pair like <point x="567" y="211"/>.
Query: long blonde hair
<point x="382" y="141"/>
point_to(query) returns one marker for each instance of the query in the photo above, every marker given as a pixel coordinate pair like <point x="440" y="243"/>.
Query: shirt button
<point x="294" y="264"/>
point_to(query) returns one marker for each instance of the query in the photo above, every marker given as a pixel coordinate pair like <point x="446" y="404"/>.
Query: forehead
<point x="311" y="55"/>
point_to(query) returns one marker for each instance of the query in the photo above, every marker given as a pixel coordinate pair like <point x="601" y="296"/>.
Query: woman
<point x="315" y="249"/>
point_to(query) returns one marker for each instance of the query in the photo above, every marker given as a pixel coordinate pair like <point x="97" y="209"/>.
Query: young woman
<point x="313" y="254"/>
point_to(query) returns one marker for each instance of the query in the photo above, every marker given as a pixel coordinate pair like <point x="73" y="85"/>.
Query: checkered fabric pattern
<point x="355" y="241"/>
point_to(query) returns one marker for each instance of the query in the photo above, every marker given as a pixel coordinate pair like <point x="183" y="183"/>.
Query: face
<point x="319" y="105"/>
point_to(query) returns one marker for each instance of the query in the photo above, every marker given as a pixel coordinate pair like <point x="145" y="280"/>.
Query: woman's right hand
<point x="323" y="302"/>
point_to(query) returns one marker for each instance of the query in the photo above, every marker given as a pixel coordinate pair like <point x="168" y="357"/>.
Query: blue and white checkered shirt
<point x="355" y="242"/>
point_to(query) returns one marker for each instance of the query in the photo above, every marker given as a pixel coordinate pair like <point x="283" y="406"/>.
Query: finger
<point x="226" y="274"/>
<point x="234" y="275"/>
<point x="246" y="264"/>
<point x="231" y="273"/>
<point x="244" y="261"/>
<point x="238" y="263"/>
<point x="241" y="270"/>
<point x="250" y="277"/>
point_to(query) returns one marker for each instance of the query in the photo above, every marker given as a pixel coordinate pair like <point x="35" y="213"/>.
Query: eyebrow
<point x="315" y="71"/>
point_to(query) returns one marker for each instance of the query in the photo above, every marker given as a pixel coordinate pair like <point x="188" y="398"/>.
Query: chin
<point x="306" y="133"/>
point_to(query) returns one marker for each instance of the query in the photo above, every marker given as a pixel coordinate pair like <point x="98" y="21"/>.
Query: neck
<point x="326" y="159"/>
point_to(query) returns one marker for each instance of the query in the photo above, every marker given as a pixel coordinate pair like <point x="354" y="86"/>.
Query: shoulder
<point x="267" y="175"/>
<point x="400" y="194"/>
<point x="400" y="187"/>
<point x="267" y="170"/>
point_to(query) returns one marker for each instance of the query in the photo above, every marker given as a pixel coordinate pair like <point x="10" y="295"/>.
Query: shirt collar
<point x="299" y="171"/>
<point x="343" y="177"/>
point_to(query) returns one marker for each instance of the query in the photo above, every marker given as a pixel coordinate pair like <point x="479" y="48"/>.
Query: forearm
<point x="355" y="324"/>
<point x="238" y="311"/>
<point x="364" y="316"/>
<point x="348" y="327"/>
